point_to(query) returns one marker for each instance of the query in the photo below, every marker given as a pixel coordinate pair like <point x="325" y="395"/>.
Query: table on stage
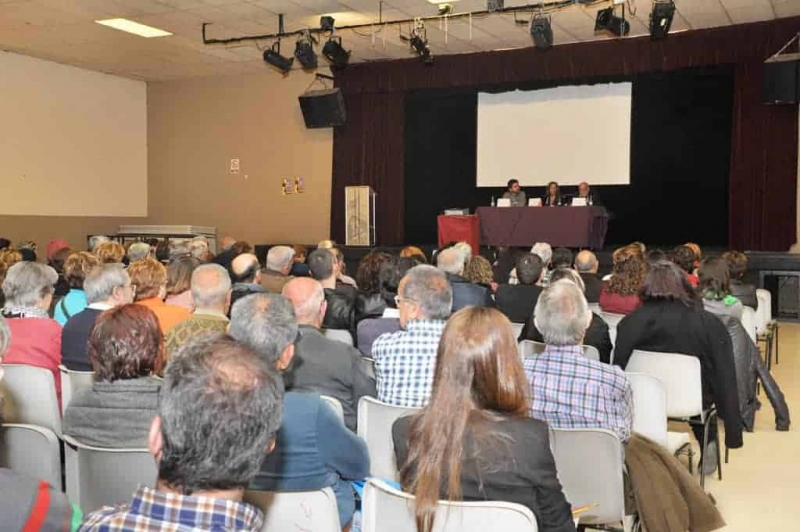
<point x="571" y="227"/>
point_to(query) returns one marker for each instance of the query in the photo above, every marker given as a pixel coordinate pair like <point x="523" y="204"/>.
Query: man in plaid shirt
<point x="220" y="408"/>
<point x="405" y="360"/>
<point x="567" y="389"/>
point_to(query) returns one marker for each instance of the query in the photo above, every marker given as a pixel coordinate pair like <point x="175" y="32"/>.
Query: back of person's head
<point x="125" y="343"/>
<point x="110" y="252"/>
<point x="529" y="268"/>
<point x="138" y="251"/>
<point x="544" y="252"/>
<point x="562" y="258"/>
<point x="326" y="244"/>
<point x="78" y="266"/>
<point x="451" y="261"/>
<point x="28" y="283"/>
<point x="280" y="258"/>
<point x="244" y="268"/>
<point x="465" y="250"/>
<point x="656" y="255"/>
<point x="220" y="408"/>
<point x="58" y="259"/>
<point x="162" y="250"/>
<point x="478" y="270"/>
<point x="211" y="286"/>
<point x="568" y="274"/>
<point x="666" y="281"/>
<point x="307" y="297"/>
<point x="100" y="283"/>
<point x="429" y="288"/>
<point x="149" y="277"/>
<point x="239" y="247"/>
<point x="478" y="378"/>
<point x="300" y="253"/>
<point x="265" y="323"/>
<point x="392" y="272"/>
<point x="96" y="240"/>
<point x="698" y="253"/>
<point x="737" y="264"/>
<point x="628" y="272"/>
<point x="715" y="280"/>
<point x="178" y="249"/>
<point x="198" y="247"/>
<point x="685" y="258"/>
<point x="10" y="256"/>
<point x="321" y="264"/>
<point x="369" y="270"/>
<point x="179" y="274"/>
<point x="562" y="314"/>
<point x="585" y="261"/>
<point x="414" y="252"/>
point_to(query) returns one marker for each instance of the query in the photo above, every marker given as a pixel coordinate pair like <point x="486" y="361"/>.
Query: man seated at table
<point x="585" y="192"/>
<point x="515" y="194"/>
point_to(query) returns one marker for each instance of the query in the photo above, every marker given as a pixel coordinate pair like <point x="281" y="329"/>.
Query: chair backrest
<point x="71" y="382"/>
<point x="612" y="320"/>
<point x="339" y="334"/>
<point x="385" y="509"/>
<point x="680" y="375"/>
<point x="517" y="329"/>
<point x="32" y="451"/>
<point x="649" y="407"/>
<point x="589" y="465"/>
<point x="529" y="348"/>
<point x="105" y="477"/>
<point x="749" y="322"/>
<point x="370" y="329"/>
<point x="595" y="308"/>
<point x="375" y="420"/>
<point x="30" y="397"/>
<point x="591" y="352"/>
<point x="297" y="510"/>
<point x="335" y="404"/>
<point x="765" y="301"/>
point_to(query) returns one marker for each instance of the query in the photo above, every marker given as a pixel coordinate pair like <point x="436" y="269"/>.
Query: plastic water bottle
<point x="492" y="201"/>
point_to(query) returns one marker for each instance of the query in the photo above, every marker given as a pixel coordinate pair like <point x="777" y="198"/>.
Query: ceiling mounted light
<point x="607" y="21"/>
<point x="661" y="18"/>
<point x="326" y="23"/>
<point x="420" y="46"/>
<point x="335" y="53"/>
<point x="273" y="57"/>
<point x="304" y="51"/>
<point x="542" y="32"/>
<point x="135" y="28"/>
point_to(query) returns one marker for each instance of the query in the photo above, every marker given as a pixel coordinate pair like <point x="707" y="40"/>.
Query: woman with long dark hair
<point x="715" y="287"/>
<point x="475" y="440"/>
<point x="553" y="196"/>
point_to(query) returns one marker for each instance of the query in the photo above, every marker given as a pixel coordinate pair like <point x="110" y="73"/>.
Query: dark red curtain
<point x="763" y="188"/>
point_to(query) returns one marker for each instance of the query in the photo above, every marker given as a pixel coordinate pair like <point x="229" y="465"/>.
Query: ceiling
<point x="64" y="30"/>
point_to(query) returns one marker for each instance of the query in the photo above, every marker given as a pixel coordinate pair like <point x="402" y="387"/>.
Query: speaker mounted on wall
<point x="782" y="79"/>
<point x="323" y="108"/>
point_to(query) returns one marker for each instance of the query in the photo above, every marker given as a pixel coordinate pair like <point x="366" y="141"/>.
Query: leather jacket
<point x="340" y="309"/>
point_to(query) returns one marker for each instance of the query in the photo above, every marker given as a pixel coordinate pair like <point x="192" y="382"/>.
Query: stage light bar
<point x="335" y="53"/>
<point x="274" y="58"/>
<point x="542" y="32"/>
<point x="304" y="52"/>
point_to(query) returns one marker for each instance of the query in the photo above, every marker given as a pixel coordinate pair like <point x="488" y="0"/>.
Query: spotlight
<point x="326" y="23"/>
<point x="445" y="9"/>
<point x="335" y="53"/>
<point x="304" y="51"/>
<point x="273" y="57"/>
<point x="494" y="5"/>
<point x="661" y="18"/>
<point x="421" y="47"/>
<point x="607" y="21"/>
<point x="542" y="32"/>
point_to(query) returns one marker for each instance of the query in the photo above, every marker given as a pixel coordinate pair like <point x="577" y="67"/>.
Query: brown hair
<point x="665" y="281"/>
<point x="478" y="378"/>
<point x="110" y="252"/>
<point x="10" y="256"/>
<point x="240" y="247"/>
<point x="415" y="253"/>
<point x="78" y="266"/>
<point x="715" y="281"/>
<point x="300" y="251"/>
<point x="737" y="263"/>
<point x="479" y="270"/>
<point x="628" y="272"/>
<point x="148" y="276"/>
<point x="59" y="259"/>
<point x="3" y="270"/>
<point x="369" y="269"/>
<point x="179" y="274"/>
<point x="126" y="342"/>
<point x="684" y="257"/>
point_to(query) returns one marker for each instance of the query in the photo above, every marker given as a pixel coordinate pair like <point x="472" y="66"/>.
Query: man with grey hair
<point x="314" y="449"/>
<point x="219" y="411"/>
<point x="106" y="286"/>
<point x="96" y="240"/>
<point x="198" y="247"/>
<point x="323" y="365"/>
<point x="211" y="294"/>
<point x="465" y="293"/>
<point x="587" y="265"/>
<point x="279" y="263"/>
<point x="138" y="251"/>
<point x="405" y="360"/>
<point x="545" y="252"/>
<point x="567" y="389"/>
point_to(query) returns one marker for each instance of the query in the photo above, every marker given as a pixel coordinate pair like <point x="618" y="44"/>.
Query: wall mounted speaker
<point x="324" y="108"/>
<point x="782" y="79"/>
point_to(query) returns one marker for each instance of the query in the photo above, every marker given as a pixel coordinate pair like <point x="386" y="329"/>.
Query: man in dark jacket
<point x="517" y="301"/>
<point x="246" y="276"/>
<point x="465" y="293"/>
<point x="587" y="265"/>
<point x="341" y="298"/>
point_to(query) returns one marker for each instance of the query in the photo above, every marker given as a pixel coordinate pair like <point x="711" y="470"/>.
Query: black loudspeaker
<point x="323" y="108"/>
<point x="782" y="80"/>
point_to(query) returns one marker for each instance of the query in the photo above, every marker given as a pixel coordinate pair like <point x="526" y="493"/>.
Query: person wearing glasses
<point x="405" y="360"/>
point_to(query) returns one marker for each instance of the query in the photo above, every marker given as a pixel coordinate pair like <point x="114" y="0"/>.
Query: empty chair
<point x="341" y="335"/>
<point x="517" y="329"/>
<point x="286" y="511"/>
<point x="335" y="404"/>
<point x="30" y="397"/>
<point x="71" y="382"/>
<point x="749" y="322"/>
<point x="385" y="509"/>
<point x="375" y="420"/>
<point x="32" y="451"/>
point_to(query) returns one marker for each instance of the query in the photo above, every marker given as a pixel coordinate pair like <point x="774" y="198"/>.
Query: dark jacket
<point x="240" y="290"/>
<point x="746" y="293"/>
<point x="597" y="336"/>
<point x="517" y="301"/>
<point x="341" y="308"/>
<point x="368" y="306"/>
<point x="466" y="294"/>
<point x="516" y="465"/>
<point x="593" y="285"/>
<point x="75" y="340"/>
<point x="673" y="327"/>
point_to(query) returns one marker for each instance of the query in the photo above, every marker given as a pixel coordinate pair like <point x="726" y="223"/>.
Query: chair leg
<point x="726" y="454"/>
<point x="704" y="455"/>
<point x="690" y="454"/>
<point x="777" y="344"/>
<point x="719" y="455"/>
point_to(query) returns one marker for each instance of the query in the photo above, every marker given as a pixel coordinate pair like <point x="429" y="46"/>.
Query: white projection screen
<point x="566" y="134"/>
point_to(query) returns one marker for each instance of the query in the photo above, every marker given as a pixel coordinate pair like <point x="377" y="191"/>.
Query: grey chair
<point x="32" y="451"/>
<point x="612" y="320"/>
<point x="340" y="335"/>
<point x="297" y="510"/>
<point x="30" y="397"/>
<point x="71" y="383"/>
<point x="335" y="405"/>
<point x="530" y="348"/>
<point x="375" y="420"/>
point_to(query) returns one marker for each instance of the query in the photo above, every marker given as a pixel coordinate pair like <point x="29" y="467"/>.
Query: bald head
<point x="211" y="287"/>
<point x="245" y="268"/>
<point x="451" y="260"/>
<point x="308" y="299"/>
<point x="586" y="262"/>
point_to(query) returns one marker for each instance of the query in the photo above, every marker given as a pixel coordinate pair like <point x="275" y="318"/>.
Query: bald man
<point x="591" y="196"/>
<point x="246" y="275"/>
<point x="587" y="265"/>
<point x="328" y="367"/>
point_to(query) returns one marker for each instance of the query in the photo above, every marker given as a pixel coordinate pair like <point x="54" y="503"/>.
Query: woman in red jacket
<point x="620" y="295"/>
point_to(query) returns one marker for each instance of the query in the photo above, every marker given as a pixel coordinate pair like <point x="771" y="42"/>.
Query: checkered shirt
<point x="405" y="362"/>
<point x="154" y="511"/>
<point x="570" y="391"/>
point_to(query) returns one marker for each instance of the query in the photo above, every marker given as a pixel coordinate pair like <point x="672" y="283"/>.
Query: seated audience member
<point x="178" y="249"/>
<point x="78" y="265"/>
<point x="58" y="251"/>
<point x="465" y="293"/>
<point x="95" y="241"/>
<point x="138" y="251"/>
<point x="313" y="448"/>
<point x="211" y="293"/>
<point x="28" y="250"/>
<point x="10" y="256"/>
<point x="369" y="302"/>
<point x="597" y="335"/>
<point x="110" y="252"/>
<point x="326" y="366"/>
<point x="126" y="350"/>
<point x="4" y="243"/>
<point x="562" y="258"/>
<point x="476" y="429"/>
<point x="517" y="301"/>
<point x="715" y="288"/>
<point x="198" y="247"/>
<point x="405" y="360"/>
<point x="479" y="271"/>
<point x="656" y="255"/>
<point x="568" y="390"/>
<point x="587" y="265"/>
<point x="161" y="253"/>
<point x="35" y="338"/>
<point x="737" y="266"/>
<point x="672" y="320"/>
<point x="544" y="252"/>
<point x="3" y="271"/>
<point x="698" y="255"/>
<point x="506" y="258"/>
<point x="149" y="278"/>
<point x="230" y="250"/>
<point x="340" y="298"/>
<point x="246" y="276"/>
<point x="279" y="264"/>
<point x="342" y="279"/>
<point x="201" y="479"/>
<point x="107" y="286"/>
<point x="179" y="282"/>
<point x="686" y="259"/>
<point x="415" y="253"/>
<point x="621" y="294"/>
<point x="299" y="266"/>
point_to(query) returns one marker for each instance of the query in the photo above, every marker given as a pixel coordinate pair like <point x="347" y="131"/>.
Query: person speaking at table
<point x="553" y="197"/>
<point x="515" y="194"/>
<point x="585" y="192"/>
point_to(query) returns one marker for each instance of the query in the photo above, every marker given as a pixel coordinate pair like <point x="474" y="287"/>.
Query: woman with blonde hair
<point x="76" y="268"/>
<point x="179" y="280"/>
<point x="110" y="252"/>
<point x="479" y="271"/>
<point x="149" y="280"/>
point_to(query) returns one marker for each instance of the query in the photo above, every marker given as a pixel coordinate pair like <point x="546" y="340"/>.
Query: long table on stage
<point x="571" y="227"/>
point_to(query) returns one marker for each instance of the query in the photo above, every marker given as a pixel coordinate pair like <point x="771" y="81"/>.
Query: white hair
<point x="102" y="280"/>
<point x="210" y="293"/>
<point x="544" y="251"/>
<point x="562" y="314"/>
<point x="27" y="283"/>
<point x="138" y="251"/>
<point x="96" y="240"/>
<point x="451" y="261"/>
<point x="308" y="310"/>
<point x="198" y="247"/>
<point x="279" y="257"/>
<point x="465" y="250"/>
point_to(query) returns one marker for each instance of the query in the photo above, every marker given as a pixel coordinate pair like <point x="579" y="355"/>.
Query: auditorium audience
<point x="474" y="441"/>
<point x="178" y="249"/>
<point x="715" y="288"/>
<point x="58" y="251"/>
<point x="620" y="294"/>
<point x="110" y="252"/>
<point x="672" y="320"/>
<point x="4" y="243"/>
<point x="138" y="251"/>
<point x="466" y="251"/>
<point x="544" y="252"/>
<point x="201" y="480"/>
<point x="299" y="266"/>
<point x="405" y="360"/>
<point x="698" y="255"/>
<point x="106" y="286"/>
<point x="465" y="293"/>
<point x="342" y="279"/>
<point x="553" y="197"/>
<point x="227" y="253"/>
<point x="149" y="278"/>
<point x="506" y="258"/>
<point x="685" y="258"/>
<point x="562" y="258"/>
<point x="179" y="282"/>
<point x="279" y="263"/>
<point x="246" y="276"/>
<point x="211" y="293"/>
<point x="517" y="301"/>
<point x="479" y="271"/>
<point x="415" y="253"/>
<point x="586" y="264"/>
<point x="313" y="448"/>
<point x="161" y="252"/>
<point x="3" y="271"/>
<point x="737" y="266"/>
<point x="370" y="301"/>
<point x="340" y="298"/>
<point x="126" y="351"/>
<point x="198" y="247"/>
<point x="323" y="365"/>
<point x="95" y="241"/>
<point x="76" y="269"/>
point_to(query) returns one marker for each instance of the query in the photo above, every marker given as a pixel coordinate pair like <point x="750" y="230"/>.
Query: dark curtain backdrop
<point x="370" y="148"/>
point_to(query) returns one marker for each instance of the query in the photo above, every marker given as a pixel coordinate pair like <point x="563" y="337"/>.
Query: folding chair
<point x="771" y="327"/>
<point x="612" y="320"/>
<point x="32" y="451"/>
<point x="30" y="397"/>
<point x="749" y="323"/>
<point x="529" y="348"/>
<point x="385" y="509"/>
<point x="517" y="329"/>
<point x="297" y="510"/>
<point x="341" y="335"/>
<point x="375" y="420"/>
<point x="335" y="404"/>
<point x="71" y="382"/>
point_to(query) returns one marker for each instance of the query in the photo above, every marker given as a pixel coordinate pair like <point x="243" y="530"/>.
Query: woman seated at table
<point x="620" y="294"/>
<point x="476" y="429"/>
<point x="553" y="197"/>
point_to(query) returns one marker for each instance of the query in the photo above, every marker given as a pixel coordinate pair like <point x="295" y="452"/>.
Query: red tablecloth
<point x="572" y="227"/>
<point x="460" y="228"/>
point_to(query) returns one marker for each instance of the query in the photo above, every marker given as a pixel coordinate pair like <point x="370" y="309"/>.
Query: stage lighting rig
<point x="542" y="32"/>
<point x="304" y="51"/>
<point x="335" y="53"/>
<point x="607" y="21"/>
<point x="274" y="58"/>
<point x="661" y="18"/>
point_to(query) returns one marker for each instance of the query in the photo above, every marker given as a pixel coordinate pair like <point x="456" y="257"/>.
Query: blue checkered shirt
<point x="405" y="362"/>
<point x="570" y="391"/>
<point x="155" y="511"/>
